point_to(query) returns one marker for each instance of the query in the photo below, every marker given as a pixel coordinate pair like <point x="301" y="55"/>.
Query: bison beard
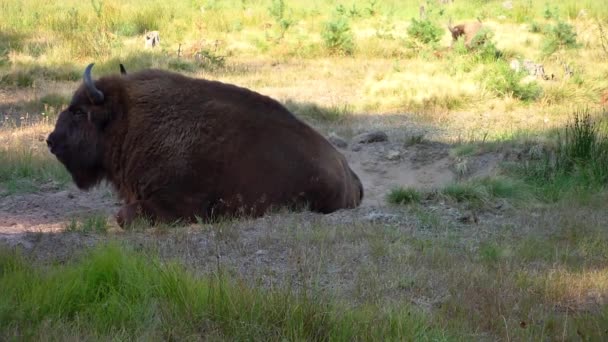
<point x="178" y="148"/>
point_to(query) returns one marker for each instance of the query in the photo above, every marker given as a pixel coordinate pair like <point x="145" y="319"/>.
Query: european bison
<point x="176" y="147"/>
<point x="468" y="30"/>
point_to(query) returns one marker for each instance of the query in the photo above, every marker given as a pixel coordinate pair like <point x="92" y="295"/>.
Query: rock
<point x="356" y="147"/>
<point x="261" y="252"/>
<point x="152" y="39"/>
<point x="515" y="65"/>
<point x="393" y="155"/>
<point x="370" y="137"/>
<point x="337" y="141"/>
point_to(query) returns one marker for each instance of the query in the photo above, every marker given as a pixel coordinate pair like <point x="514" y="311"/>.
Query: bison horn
<point x="122" y="69"/>
<point x="93" y="91"/>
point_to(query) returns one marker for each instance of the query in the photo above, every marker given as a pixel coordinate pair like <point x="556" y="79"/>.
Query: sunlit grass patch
<point x="27" y="75"/>
<point x="25" y="161"/>
<point x="96" y="223"/>
<point x="319" y="113"/>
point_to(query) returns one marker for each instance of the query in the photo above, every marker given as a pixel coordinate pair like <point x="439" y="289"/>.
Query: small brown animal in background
<point x="468" y="30"/>
<point x="176" y="147"/>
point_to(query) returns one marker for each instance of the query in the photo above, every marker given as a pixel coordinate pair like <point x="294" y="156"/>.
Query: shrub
<point x="559" y="36"/>
<point x="504" y="81"/>
<point x="484" y="47"/>
<point x="277" y="10"/>
<point x="424" y="31"/>
<point x="338" y="36"/>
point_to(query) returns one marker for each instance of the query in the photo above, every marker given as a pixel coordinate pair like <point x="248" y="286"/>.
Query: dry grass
<point x="25" y="162"/>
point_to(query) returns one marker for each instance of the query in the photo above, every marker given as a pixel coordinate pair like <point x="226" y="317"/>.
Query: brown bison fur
<point x="176" y="147"/>
<point x="466" y="30"/>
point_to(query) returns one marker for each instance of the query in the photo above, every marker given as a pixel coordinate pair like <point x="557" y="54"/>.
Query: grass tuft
<point x="578" y="163"/>
<point x="402" y="195"/>
<point x="95" y="223"/>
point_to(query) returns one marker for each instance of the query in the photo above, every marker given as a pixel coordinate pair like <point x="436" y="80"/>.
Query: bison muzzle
<point x="180" y="148"/>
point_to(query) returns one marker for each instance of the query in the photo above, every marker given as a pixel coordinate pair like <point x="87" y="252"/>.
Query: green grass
<point x="480" y="192"/>
<point x="94" y="223"/>
<point x="402" y="195"/>
<point x="578" y="163"/>
<point x="112" y="292"/>
<point x="23" y="169"/>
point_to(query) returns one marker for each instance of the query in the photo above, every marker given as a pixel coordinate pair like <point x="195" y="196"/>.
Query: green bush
<point x="559" y="36"/>
<point x="425" y="31"/>
<point x="483" y="46"/>
<point x="278" y="11"/>
<point x="338" y="37"/>
<point x="504" y="81"/>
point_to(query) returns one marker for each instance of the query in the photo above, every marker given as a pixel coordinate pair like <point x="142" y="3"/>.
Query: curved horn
<point x="95" y="93"/>
<point x="122" y="69"/>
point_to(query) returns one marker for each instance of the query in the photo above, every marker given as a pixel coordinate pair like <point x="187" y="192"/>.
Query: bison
<point x="468" y="30"/>
<point x="177" y="148"/>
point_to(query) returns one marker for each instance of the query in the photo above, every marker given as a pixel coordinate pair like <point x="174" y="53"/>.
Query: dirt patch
<point x="384" y="166"/>
<point x="50" y="210"/>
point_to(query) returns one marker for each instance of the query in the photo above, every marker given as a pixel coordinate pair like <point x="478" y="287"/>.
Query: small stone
<point x="393" y="155"/>
<point x="370" y="137"/>
<point x="356" y="147"/>
<point x="261" y="252"/>
<point x="70" y="195"/>
<point x="337" y="141"/>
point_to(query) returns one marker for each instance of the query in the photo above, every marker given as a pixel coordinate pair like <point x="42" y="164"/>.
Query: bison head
<point x="78" y="138"/>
